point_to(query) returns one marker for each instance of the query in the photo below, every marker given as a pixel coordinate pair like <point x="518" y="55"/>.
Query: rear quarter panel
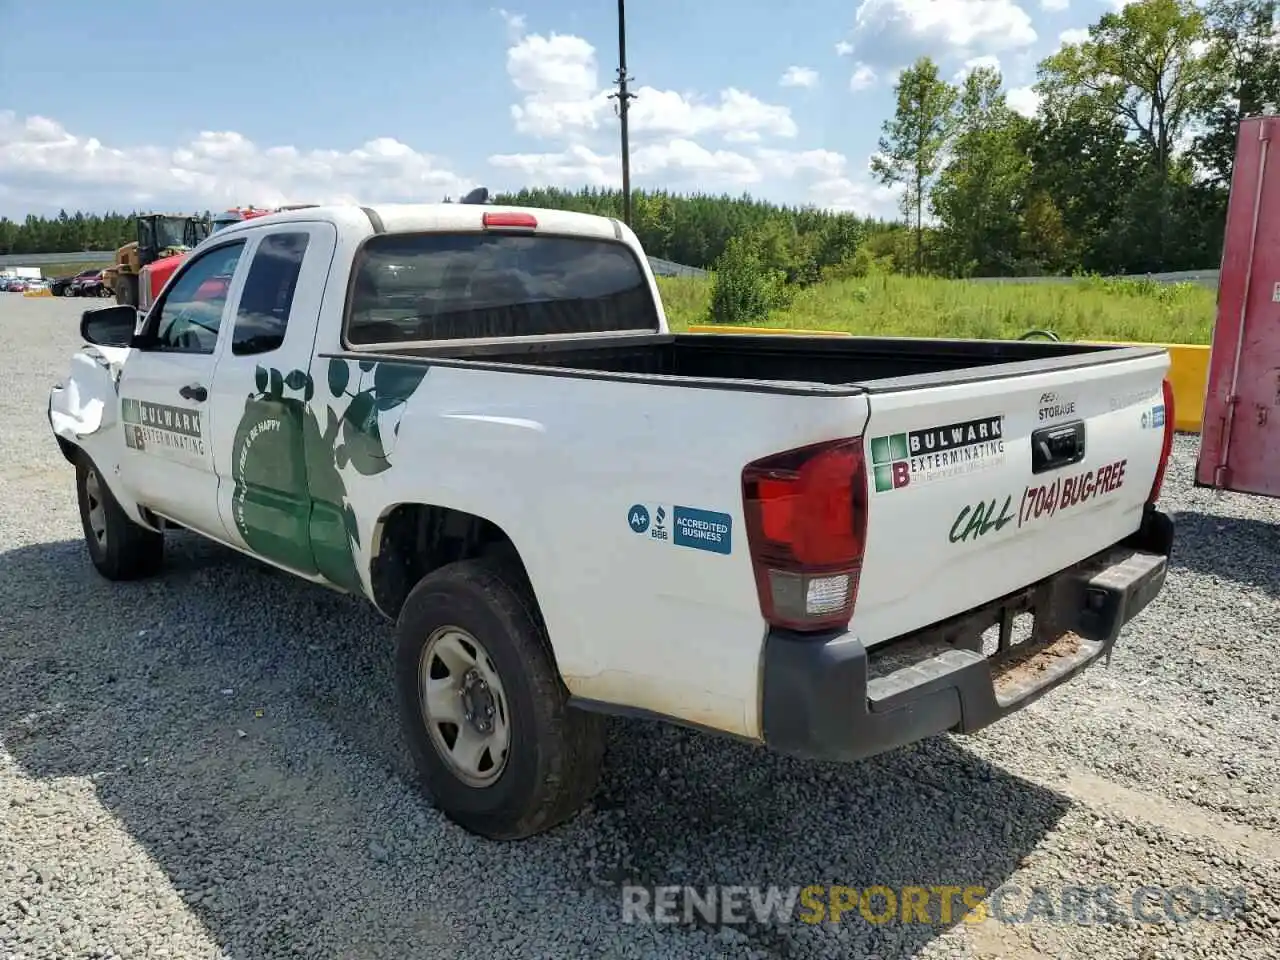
<point x="594" y="482"/>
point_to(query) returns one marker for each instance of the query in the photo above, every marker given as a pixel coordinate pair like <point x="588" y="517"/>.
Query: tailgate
<point x="964" y="508"/>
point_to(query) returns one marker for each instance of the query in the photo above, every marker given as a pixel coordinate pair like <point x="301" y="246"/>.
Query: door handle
<point x="193" y="391"/>
<point x="1055" y="447"/>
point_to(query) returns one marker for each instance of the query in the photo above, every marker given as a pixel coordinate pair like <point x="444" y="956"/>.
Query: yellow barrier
<point x="42" y="292"/>
<point x="1188" y="367"/>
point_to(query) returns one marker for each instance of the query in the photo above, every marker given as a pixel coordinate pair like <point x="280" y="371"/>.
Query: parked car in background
<point x="60" y="287"/>
<point x="14" y="285"/>
<point x="88" y="284"/>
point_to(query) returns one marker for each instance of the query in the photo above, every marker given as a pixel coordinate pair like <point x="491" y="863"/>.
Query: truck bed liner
<point x="776" y="363"/>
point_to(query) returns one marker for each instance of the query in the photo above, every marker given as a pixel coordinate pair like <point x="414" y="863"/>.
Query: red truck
<point x="1240" y="430"/>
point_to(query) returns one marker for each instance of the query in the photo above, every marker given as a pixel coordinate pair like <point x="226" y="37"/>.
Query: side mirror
<point x="109" y="326"/>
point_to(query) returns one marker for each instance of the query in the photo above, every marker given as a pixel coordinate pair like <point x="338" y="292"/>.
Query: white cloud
<point x="825" y="163"/>
<point x="844" y="48"/>
<point x="677" y="161"/>
<point x="738" y="116"/>
<point x="862" y="196"/>
<point x="557" y="76"/>
<point x="890" y="32"/>
<point x="1054" y="4"/>
<point x="973" y="63"/>
<point x="1073" y="36"/>
<point x="863" y="78"/>
<point x="829" y="183"/>
<point x="44" y="165"/>
<point x="514" y="22"/>
<point x="562" y="98"/>
<point x="1023" y="100"/>
<point x="799" y="77"/>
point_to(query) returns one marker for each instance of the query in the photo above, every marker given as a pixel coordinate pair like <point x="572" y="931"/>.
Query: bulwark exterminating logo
<point x="936" y="453"/>
<point x="148" y="425"/>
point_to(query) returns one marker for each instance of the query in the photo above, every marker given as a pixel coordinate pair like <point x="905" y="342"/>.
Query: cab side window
<point x="263" y="314"/>
<point x="191" y="313"/>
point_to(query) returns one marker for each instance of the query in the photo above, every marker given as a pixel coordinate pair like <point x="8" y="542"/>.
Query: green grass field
<point x="1090" y="309"/>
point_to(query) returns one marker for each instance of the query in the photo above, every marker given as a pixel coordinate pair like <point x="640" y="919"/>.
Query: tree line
<point x="692" y="230"/>
<point x="1124" y="168"/>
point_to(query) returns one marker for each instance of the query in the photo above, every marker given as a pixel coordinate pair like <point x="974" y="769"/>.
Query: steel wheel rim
<point x="97" y="509"/>
<point x="464" y="706"/>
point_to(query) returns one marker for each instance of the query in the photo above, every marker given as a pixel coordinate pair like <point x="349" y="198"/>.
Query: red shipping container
<point x="1240" y="432"/>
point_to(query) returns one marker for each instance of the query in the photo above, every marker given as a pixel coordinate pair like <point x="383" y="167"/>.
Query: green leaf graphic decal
<point x="291" y="501"/>
<point x="396" y="382"/>
<point x="361" y="437"/>
<point x="339" y="376"/>
<point x="349" y="519"/>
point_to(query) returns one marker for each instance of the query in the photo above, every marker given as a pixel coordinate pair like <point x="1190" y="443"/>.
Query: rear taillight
<point x="806" y="519"/>
<point x="1167" y="449"/>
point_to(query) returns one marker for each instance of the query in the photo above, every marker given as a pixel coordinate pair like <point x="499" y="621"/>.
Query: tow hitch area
<point x="832" y="699"/>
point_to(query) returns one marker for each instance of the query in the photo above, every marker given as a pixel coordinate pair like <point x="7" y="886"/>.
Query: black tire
<point x="555" y="752"/>
<point x="125" y="550"/>
<point x="127" y="289"/>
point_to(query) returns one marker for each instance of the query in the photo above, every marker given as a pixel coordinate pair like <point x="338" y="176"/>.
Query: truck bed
<point x="781" y="363"/>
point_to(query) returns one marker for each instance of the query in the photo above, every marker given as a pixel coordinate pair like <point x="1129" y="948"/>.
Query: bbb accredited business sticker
<point x="708" y="530"/>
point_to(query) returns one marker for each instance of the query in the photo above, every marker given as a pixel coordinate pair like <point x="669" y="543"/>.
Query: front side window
<point x="443" y="286"/>
<point x="191" y="313"/>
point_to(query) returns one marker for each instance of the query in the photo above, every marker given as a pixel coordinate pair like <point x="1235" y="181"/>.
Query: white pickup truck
<point x="476" y="418"/>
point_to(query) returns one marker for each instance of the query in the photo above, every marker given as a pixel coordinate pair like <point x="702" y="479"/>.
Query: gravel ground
<point x="186" y="777"/>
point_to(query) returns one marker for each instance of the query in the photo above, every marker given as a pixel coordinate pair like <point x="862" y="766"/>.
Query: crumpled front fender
<point x="86" y="402"/>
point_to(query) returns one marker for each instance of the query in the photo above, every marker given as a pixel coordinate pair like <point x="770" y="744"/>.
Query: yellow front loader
<point x="159" y="235"/>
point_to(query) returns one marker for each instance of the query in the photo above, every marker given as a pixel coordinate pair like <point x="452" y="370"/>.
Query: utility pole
<point x="623" y="97"/>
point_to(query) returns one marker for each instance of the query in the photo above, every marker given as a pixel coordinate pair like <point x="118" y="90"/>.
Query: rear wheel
<point x="484" y="709"/>
<point x="119" y="548"/>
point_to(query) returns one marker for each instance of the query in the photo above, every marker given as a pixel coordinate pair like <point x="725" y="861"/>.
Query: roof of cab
<point x="425" y="217"/>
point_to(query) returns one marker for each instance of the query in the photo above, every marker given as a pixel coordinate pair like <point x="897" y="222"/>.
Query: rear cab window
<point x="263" y="314"/>
<point x="461" y="286"/>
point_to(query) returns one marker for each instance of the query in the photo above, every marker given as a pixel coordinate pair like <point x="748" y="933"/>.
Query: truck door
<point x="260" y="393"/>
<point x="1240" y="432"/>
<point x="164" y="394"/>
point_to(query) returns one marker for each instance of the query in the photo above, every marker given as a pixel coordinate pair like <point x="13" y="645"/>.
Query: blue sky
<point x="208" y="105"/>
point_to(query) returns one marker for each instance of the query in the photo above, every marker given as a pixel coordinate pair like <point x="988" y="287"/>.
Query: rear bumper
<point x="827" y="698"/>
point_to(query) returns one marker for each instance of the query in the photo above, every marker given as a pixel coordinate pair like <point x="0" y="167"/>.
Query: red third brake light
<point x="1167" y="448"/>
<point x="526" y="220"/>
<point x="806" y="519"/>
